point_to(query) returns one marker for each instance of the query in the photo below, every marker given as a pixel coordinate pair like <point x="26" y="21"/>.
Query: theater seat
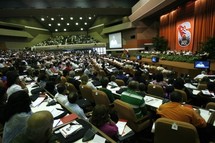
<point x="125" y="111"/>
<point x="156" y="90"/>
<point x="101" y="98"/>
<point x="172" y="131"/>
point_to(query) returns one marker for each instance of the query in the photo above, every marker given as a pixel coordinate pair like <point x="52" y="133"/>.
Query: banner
<point x="184" y="35"/>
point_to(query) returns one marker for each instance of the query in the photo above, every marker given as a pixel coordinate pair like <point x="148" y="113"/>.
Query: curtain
<point x="204" y="22"/>
<point x="203" y="12"/>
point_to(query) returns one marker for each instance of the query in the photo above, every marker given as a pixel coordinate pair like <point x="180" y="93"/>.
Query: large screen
<point x="202" y="64"/>
<point x="115" y="40"/>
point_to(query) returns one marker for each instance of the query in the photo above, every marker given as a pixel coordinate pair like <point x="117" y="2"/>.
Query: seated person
<point x="104" y="83"/>
<point x="159" y="80"/>
<point x="142" y="89"/>
<point x="14" y="83"/>
<point x="85" y="81"/>
<point x="112" y="81"/>
<point x="38" y="130"/>
<point x="175" y="111"/>
<point x="121" y="76"/>
<point x="75" y="108"/>
<point x="101" y="119"/>
<point x="16" y="114"/>
<point x="200" y="76"/>
<point x="132" y="97"/>
<point x="71" y="79"/>
<point x="61" y="94"/>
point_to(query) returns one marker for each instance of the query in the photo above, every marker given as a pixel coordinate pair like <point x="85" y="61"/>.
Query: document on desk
<point x="70" y="129"/>
<point x="98" y="139"/>
<point x="196" y="92"/>
<point x="38" y="101"/>
<point x="121" y="126"/>
<point x="152" y="101"/>
<point x="189" y="85"/>
<point x="205" y="114"/>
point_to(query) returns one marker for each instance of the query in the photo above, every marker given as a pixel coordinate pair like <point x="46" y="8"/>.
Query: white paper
<point x="205" y="114"/>
<point x="98" y="139"/>
<point x="121" y="126"/>
<point x="196" y="92"/>
<point x="38" y="101"/>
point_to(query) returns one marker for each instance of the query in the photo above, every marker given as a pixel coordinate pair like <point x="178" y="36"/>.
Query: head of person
<point x="61" y="88"/>
<point x="104" y="82"/>
<point x="113" y="78"/>
<point x="142" y="87"/>
<point x="84" y="79"/>
<point x="179" y="83"/>
<point x="39" y="127"/>
<point x="159" y="77"/>
<point x="176" y="97"/>
<point x="100" y="115"/>
<point x="18" y="102"/>
<point x="133" y="85"/>
<point x="12" y="77"/>
<point x="72" y="74"/>
<point x="72" y="97"/>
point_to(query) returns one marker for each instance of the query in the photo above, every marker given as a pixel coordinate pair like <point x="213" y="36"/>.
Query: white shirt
<point x="61" y="98"/>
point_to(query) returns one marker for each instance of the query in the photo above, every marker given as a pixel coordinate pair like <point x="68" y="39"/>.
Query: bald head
<point x="40" y="119"/>
<point x="39" y="126"/>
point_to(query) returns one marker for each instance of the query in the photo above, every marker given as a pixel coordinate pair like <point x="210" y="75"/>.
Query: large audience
<point x="67" y="40"/>
<point x="58" y="71"/>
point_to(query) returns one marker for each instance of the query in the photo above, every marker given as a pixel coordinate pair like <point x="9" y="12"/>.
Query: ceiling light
<point x="56" y="29"/>
<point x="42" y="19"/>
<point x="71" y="18"/>
<point x="82" y="29"/>
<point x="50" y="24"/>
<point x="80" y="18"/>
<point x="64" y="29"/>
<point x="76" y="23"/>
<point x="58" y="24"/>
<point x="67" y="24"/>
<point x="52" y="19"/>
<point x="90" y="17"/>
<point x="62" y="18"/>
<point x="85" y="23"/>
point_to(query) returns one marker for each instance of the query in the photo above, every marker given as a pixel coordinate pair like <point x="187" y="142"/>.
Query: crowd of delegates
<point x="67" y="40"/>
<point x="57" y="72"/>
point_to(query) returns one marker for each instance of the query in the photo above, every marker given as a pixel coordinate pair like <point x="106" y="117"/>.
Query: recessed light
<point x="62" y="18"/>
<point x="80" y="18"/>
<point x="71" y="18"/>
<point x="82" y="29"/>
<point x="90" y="17"/>
<point x="50" y="24"/>
<point x="64" y="29"/>
<point x="85" y="23"/>
<point x="67" y="24"/>
<point x="52" y="19"/>
<point x="56" y="29"/>
<point x="76" y="23"/>
<point x="42" y="19"/>
<point x="58" y="24"/>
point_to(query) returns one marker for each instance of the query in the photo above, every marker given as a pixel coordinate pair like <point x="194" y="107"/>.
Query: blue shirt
<point x="15" y="126"/>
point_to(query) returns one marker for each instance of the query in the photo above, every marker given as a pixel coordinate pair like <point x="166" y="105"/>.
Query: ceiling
<point x="72" y="15"/>
<point x="64" y="15"/>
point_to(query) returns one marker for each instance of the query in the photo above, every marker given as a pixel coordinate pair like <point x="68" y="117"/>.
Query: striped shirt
<point x="136" y="101"/>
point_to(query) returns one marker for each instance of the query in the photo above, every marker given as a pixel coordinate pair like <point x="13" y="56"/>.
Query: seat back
<point x="120" y="82"/>
<point x="124" y="110"/>
<point x="172" y="131"/>
<point x="210" y="105"/>
<point x="154" y="89"/>
<point x="183" y="94"/>
<point x="202" y="86"/>
<point x="86" y="93"/>
<point x="101" y="97"/>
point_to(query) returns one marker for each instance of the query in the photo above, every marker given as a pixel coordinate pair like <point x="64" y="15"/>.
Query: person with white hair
<point x="200" y="76"/>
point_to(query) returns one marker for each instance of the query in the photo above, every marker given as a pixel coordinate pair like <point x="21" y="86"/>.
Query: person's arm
<point x="197" y="120"/>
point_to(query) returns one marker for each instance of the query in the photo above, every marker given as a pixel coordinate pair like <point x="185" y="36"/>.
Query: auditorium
<point x="107" y="71"/>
